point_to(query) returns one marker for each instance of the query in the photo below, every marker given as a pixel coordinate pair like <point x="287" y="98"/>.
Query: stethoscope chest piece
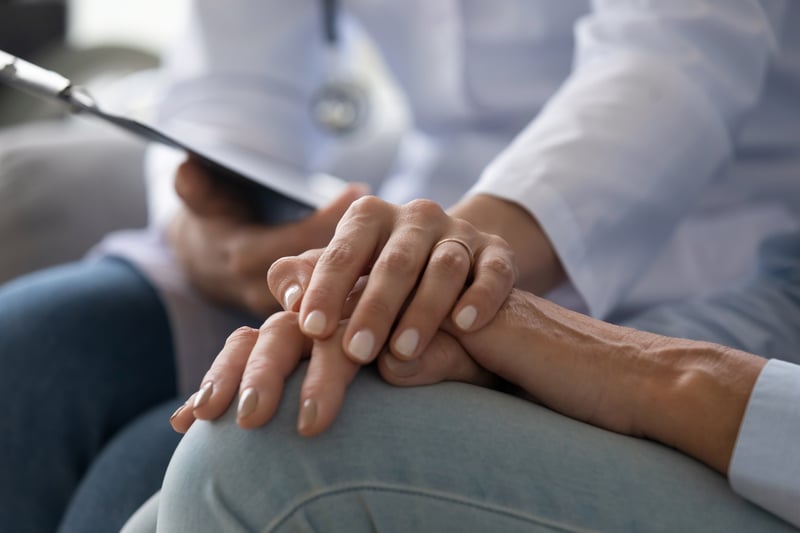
<point x="340" y="106"/>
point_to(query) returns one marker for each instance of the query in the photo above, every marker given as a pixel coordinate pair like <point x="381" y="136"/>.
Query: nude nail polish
<point x="407" y="342"/>
<point x="177" y="412"/>
<point x="361" y="345"/>
<point x="315" y="323"/>
<point x="203" y="395"/>
<point x="308" y="416"/>
<point x="291" y="296"/>
<point x="248" y="400"/>
<point x="466" y="317"/>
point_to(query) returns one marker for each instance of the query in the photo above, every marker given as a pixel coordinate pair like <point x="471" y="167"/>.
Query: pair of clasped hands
<point x="396" y="284"/>
<point x="430" y="296"/>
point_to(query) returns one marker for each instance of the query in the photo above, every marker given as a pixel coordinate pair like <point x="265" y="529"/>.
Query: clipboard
<point x="271" y="197"/>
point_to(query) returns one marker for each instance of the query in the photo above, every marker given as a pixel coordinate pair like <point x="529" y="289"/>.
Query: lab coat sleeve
<point x="637" y="131"/>
<point x="241" y="75"/>
<point x="765" y="467"/>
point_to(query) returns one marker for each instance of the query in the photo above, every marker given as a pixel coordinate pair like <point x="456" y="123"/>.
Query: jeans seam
<point x="302" y="501"/>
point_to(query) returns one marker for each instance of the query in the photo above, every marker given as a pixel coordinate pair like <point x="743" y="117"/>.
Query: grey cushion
<point x="63" y="185"/>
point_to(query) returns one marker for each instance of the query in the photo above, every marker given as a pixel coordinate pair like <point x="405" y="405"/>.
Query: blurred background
<point x="65" y="182"/>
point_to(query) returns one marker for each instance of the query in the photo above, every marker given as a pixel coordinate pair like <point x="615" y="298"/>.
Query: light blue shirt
<point x="761" y="317"/>
<point x="766" y="462"/>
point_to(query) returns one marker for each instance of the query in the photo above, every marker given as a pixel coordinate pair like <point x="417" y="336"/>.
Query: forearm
<point x="686" y="394"/>
<point x="538" y="265"/>
<point x="698" y="399"/>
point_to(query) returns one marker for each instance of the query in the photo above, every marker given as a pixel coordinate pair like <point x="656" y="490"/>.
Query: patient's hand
<point x="226" y="255"/>
<point x="256" y="363"/>
<point x="686" y="394"/>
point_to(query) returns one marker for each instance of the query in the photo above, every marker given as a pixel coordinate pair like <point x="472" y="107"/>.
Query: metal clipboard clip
<point x="50" y="85"/>
<point x="270" y="200"/>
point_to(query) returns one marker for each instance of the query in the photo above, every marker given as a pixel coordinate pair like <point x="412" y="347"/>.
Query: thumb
<point x="205" y="196"/>
<point x="445" y="359"/>
<point x="288" y="277"/>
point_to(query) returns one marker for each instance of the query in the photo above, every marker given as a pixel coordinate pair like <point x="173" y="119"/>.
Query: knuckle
<point x="423" y="209"/>
<point x="338" y="256"/>
<point x="398" y="260"/>
<point x="375" y="308"/>
<point x="242" y="335"/>
<point x="462" y="227"/>
<point x="256" y="367"/>
<point x="481" y="294"/>
<point x="389" y="376"/>
<point x="501" y="267"/>
<point x="365" y="206"/>
<point x="501" y="244"/>
<point x="451" y="260"/>
<point x="278" y="322"/>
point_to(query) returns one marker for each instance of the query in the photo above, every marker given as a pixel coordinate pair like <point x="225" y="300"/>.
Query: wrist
<point x="696" y="398"/>
<point x="538" y="265"/>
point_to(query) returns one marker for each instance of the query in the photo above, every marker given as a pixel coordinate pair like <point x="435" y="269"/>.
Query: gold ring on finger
<point x="466" y="247"/>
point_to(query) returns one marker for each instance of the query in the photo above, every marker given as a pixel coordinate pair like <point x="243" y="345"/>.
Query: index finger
<point x="360" y="234"/>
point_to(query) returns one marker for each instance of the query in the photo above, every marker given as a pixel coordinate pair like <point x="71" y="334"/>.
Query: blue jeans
<point x="450" y="457"/>
<point x="85" y="350"/>
<point x="454" y="457"/>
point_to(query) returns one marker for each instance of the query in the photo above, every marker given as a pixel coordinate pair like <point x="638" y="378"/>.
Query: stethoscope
<point x="341" y="105"/>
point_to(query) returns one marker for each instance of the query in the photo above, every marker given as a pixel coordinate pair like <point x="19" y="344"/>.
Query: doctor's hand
<point x="224" y="254"/>
<point x="423" y="266"/>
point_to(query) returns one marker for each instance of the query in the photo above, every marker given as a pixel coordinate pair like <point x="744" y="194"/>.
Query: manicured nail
<point x="401" y="368"/>
<point x="466" y="317"/>
<point x="248" y="400"/>
<point x="407" y="342"/>
<point x="361" y="345"/>
<point x="203" y="395"/>
<point x="315" y="323"/>
<point x="177" y="412"/>
<point x="291" y="296"/>
<point x="308" y="415"/>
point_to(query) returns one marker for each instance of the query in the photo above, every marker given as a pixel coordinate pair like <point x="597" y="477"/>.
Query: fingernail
<point x="203" y="395"/>
<point x="361" y="345"/>
<point x="248" y="400"/>
<point x="308" y="415"/>
<point x="291" y="296"/>
<point x="466" y="317"/>
<point x="407" y="342"/>
<point x="177" y="412"/>
<point x="401" y="368"/>
<point x="315" y="323"/>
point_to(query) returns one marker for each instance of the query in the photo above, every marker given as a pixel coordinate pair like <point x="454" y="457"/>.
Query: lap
<point x="447" y="457"/>
<point x="125" y="474"/>
<point x="92" y="322"/>
<point x="85" y="348"/>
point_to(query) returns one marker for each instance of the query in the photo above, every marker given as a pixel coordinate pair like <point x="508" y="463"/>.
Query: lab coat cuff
<point x="555" y="217"/>
<point x="765" y="467"/>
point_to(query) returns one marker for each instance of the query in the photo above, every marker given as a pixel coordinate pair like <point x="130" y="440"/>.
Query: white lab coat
<point x="657" y="143"/>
